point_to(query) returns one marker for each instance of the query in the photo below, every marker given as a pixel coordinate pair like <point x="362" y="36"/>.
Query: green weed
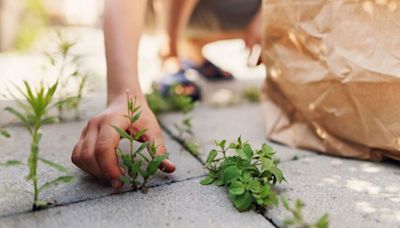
<point x="138" y="174"/>
<point x="69" y="72"/>
<point x="249" y="174"/>
<point x="297" y="219"/>
<point x="32" y="114"/>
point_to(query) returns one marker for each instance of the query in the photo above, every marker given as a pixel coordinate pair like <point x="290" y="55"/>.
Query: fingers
<point x="107" y="160"/>
<point x="87" y="151"/>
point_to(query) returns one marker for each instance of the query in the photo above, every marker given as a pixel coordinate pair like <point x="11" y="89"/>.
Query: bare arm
<point x="122" y="30"/>
<point x="95" y="151"/>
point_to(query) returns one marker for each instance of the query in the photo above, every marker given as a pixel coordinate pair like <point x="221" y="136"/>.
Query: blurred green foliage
<point x="34" y="20"/>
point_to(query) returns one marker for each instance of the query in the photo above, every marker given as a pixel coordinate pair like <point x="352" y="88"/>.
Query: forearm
<point x="123" y="22"/>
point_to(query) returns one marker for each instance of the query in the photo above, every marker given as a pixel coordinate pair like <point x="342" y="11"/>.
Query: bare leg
<point x="173" y="17"/>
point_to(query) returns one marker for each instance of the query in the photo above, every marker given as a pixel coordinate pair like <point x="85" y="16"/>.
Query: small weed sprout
<point x="69" y="72"/>
<point x="252" y="94"/>
<point x="186" y="135"/>
<point x="4" y="133"/>
<point x="174" y="101"/>
<point x="297" y="219"/>
<point x="32" y="115"/>
<point x="132" y="161"/>
<point x="249" y="174"/>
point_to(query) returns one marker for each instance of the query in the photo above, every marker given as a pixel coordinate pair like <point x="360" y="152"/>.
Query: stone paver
<point x="184" y="204"/>
<point x="57" y="144"/>
<point x="210" y="124"/>
<point x="353" y="193"/>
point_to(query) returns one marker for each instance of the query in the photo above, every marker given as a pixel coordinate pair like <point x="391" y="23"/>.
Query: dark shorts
<point x="220" y="15"/>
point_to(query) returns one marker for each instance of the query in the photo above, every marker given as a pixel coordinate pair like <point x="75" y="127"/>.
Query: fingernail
<point x="116" y="184"/>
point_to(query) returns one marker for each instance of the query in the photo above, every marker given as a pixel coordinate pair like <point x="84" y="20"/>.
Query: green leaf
<point x="236" y="188"/>
<point x="154" y="164"/>
<point x="285" y="202"/>
<point x="219" y="182"/>
<point x="126" y="158"/>
<point x="231" y="174"/>
<point x="122" y="133"/>
<point x="139" y="134"/>
<point x="211" y="156"/>
<point x="323" y="222"/>
<point x="247" y="152"/>
<point x="141" y="148"/>
<point x="59" y="180"/>
<point x="11" y="163"/>
<point x="267" y="150"/>
<point x="144" y="173"/>
<point x="242" y="202"/>
<point x="54" y="165"/>
<point x="278" y="174"/>
<point x="5" y="133"/>
<point x="135" y="117"/>
<point x="125" y="179"/>
<point x="207" y="181"/>
<point x="135" y="168"/>
<point x="254" y="186"/>
<point x="266" y="164"/>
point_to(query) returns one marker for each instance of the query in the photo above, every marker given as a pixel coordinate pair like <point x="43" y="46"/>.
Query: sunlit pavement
<point x="353" y="193"/>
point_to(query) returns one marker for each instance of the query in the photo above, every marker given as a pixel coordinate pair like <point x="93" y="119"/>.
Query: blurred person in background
<point x="205" y="20"/>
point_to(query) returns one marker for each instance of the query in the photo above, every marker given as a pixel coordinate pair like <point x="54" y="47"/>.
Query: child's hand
<point x="95" y="151"/>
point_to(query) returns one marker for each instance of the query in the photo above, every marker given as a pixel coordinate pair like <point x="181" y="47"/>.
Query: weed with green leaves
<point x="174" y="101"/>
<point x="249" y="174"/>
<point x="69" y="72"/>
<point x="33" y="114"/>
<point x="297" y="219"/>
<point x="138" y="175"/>
<point x="186" y="135"/>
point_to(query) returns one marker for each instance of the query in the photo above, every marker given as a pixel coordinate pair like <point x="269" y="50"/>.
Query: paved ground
<point x="353" y="193"/>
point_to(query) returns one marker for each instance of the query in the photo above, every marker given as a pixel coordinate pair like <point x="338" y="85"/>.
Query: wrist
<point x="122" y="97"/>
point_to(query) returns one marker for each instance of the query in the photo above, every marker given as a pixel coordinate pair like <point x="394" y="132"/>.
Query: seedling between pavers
<point x="137" y="176"/>
<point x="33" y="114"/>
<point x="249" y="174"/>
<point x="297" y="219"/>
<point x="68" y="72"/>
<point x="4" y="133"/>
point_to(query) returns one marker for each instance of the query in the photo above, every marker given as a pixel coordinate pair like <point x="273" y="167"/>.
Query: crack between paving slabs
<point x="181" y="142"/>
<point x="101" y="197"/>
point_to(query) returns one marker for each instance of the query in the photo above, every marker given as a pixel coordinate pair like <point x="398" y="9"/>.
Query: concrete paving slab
<point x="353" y="193"/>
<point x="184" y="204"/>
<point x="246" y="120"/>
<point x="57" y="144"/>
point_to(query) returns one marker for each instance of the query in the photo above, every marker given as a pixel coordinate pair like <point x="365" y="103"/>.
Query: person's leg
<point x="173" y="16"/>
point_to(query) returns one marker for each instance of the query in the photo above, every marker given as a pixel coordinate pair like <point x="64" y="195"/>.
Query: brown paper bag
<point x="333" y="81"/>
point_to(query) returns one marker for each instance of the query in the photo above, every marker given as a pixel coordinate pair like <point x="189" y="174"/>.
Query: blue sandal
<point x="183" y="86"/>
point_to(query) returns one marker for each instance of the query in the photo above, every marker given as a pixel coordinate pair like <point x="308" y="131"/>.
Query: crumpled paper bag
<point x="333" y="81"/>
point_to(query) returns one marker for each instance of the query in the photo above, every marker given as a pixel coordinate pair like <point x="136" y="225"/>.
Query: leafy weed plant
<point x="33" y="115"/>
<point x="138" y="174"/>
<point x="173" y="102"/>
<point x="249" y="174"/>
<point x="297" y="219"/>
<point x="69" y="71"/>
<point x="186" y="134"/>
